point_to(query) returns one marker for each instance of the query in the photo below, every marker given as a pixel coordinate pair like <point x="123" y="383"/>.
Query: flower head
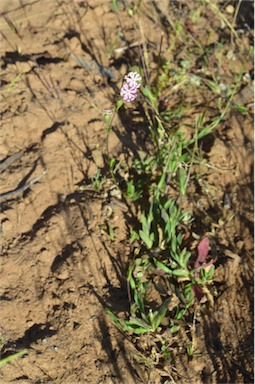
<point x="128" y="93"/>
<point x="129" y="89"/>
<point x="133" y="79"/>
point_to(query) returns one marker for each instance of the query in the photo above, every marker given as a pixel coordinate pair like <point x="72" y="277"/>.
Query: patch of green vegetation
<point x="166" y="280"/>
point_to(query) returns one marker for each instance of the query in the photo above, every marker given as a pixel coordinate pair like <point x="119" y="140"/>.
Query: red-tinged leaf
<point x="202" y="250"/>
<point x="199" y="293"/>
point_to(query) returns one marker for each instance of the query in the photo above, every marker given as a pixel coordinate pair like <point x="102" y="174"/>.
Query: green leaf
<point x="9" y="359"/>
<point x="147" y="93"/>
<point x="115" y="6"/>
<point x="130" y="277"/>
<point x="200" y="120"/>
<point x="119" y="104"/>
<point x="114" y="318"/>
<point x="179" y="239"/>
<point x="174" y="328"/>
<point x="133" y="236"/>
<point x="180" y="314"/>
<point x="241" y="109"/>
<point x="137" y="329"/>
<point x="163" y="267"/>
<point x="135" y="325"/>
<point x="145" y="224"/>
<point x="138" y="326"/>
<point x="210" y="273"/>
<point x="161" y="183"/>
<point x="180" y="272"/>
<point x="139" y="301"/>
<point x="151" y="216"/>
<point x="112" y="164"/>
<point x="111" y="233"/>
<point x="174" y="252"/>
<point x="210" y="127"/>
<point x="161" y="313"/>
<point x="169" y="205"/>
<point x="146" y="238"/>
<point x="107" y="118"/>
<point x="184" y="257"/>
<point x="183" y="180"/>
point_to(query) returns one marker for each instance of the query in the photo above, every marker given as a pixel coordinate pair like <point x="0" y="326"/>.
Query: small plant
<point x="133" y="193"/>
<point x="98" y="181"/>
<point x="160" y="255"/>
<point x="167" y="280"/>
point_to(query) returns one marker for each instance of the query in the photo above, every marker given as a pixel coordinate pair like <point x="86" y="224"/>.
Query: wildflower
<point x="128" y="93"/>
<point x="133" y="79"/>
<point x="129" y="89"/>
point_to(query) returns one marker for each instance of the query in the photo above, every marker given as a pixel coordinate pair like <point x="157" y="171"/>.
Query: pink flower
<point x="128" y="93"/>
<point x="133" y="79"/>
<point x="129" y="89"/>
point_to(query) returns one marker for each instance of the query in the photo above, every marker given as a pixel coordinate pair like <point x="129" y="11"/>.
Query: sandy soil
<point x="59" y="270"/>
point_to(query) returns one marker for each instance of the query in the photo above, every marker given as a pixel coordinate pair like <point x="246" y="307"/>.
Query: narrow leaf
<point x="161" y="313"/>
<point x="146" y="239"/>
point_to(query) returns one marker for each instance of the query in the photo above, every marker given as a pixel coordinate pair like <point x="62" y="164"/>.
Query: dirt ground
<point x="59" y="270"/>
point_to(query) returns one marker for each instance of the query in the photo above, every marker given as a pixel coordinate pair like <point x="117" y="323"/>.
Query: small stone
<point x="7" y="226"/>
